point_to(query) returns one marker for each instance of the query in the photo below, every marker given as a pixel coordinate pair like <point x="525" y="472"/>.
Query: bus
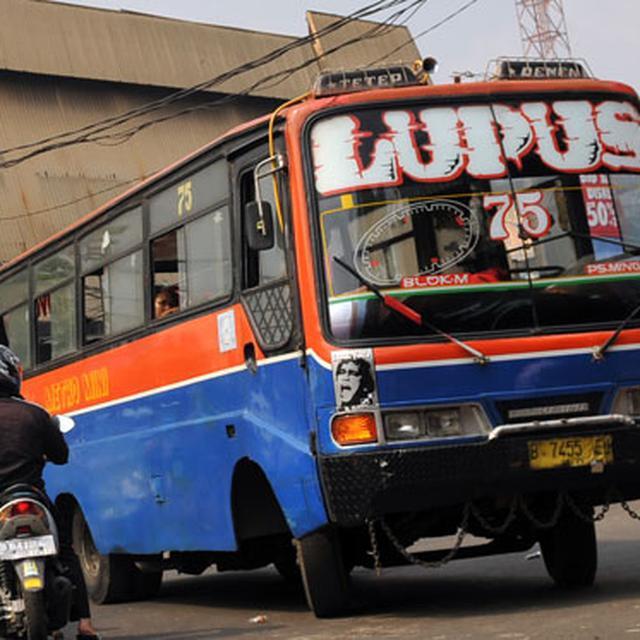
<point x="388" y="311"/>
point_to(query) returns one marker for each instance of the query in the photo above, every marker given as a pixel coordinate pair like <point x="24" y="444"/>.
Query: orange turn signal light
<point x="356" y="428"/>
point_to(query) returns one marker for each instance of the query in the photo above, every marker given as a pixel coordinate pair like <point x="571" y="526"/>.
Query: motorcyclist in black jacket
<point x="30" y="437"/>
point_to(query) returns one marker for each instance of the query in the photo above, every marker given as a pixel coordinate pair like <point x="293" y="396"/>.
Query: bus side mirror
<point x="258" y="224"/>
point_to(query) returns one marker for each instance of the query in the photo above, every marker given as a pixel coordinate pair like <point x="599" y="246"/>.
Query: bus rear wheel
<point x="325" y="579"/>
<point x="570" y="552"/>
<point x="111" y="578"/>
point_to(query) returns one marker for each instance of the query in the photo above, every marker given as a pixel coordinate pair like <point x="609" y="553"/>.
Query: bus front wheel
<point x="110" y="578"/>
<point x="325" y="579"/>
<point x="570" y="552"/>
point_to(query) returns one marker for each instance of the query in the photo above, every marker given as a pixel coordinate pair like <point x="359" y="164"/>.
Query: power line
<point x="68" y="203"/>
<point x="113" y="121"/>
<point x="272" y="80"/>
<point x="122" y="137"/>
<point x="90" y="133"/>
<point x="432" y="28"/>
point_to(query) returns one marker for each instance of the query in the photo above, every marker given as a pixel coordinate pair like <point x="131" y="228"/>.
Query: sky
<point x="602" y="32"/>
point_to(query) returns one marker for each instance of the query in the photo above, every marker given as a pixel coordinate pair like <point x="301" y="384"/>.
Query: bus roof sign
<point x="528" y="69"/>
<point x="337" y="82"/>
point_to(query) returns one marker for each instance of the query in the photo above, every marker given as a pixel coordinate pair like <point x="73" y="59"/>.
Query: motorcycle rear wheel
<point x="35" y="615"/>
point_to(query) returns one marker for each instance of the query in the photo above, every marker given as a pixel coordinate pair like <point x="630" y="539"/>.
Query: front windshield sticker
<point x="610" y="268"/>
<point x="535" y="220"/>
<point x="354" y="379"/>
<point x="441" y="143"/>
<point x="458" y="226"/>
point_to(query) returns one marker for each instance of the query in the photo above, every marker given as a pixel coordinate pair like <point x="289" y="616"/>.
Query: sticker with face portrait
<point x="354" y="379"/>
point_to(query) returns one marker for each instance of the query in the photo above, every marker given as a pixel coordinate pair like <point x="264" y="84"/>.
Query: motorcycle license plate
<point x="18" y="548"/>
<point x="570" y="452"/>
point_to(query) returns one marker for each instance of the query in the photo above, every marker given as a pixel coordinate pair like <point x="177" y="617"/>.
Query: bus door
<point x="275" y="392"/>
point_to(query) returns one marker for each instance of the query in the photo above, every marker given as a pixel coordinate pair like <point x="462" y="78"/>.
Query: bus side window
<point x="267" y="291"/>
<point x="263" y="267"/>
<point x="55" y="305"/>
<point x="112" y="283"/>
<point x="192" y="264"/>
<point x="113" y="298"/>
<point x="168" y="266"/>
<point x="14" y="315"/>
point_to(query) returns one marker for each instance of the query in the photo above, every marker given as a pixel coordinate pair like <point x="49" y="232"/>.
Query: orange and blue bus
<point x="388" y="311"/>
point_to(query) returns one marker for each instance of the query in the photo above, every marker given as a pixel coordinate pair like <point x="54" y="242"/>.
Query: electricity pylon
<point x="543" y="29"/>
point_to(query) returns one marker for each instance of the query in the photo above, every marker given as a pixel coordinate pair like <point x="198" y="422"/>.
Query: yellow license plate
<point x="570" y="452"/>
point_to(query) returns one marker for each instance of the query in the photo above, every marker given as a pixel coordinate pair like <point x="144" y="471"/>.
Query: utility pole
<point x="543" y="29"/>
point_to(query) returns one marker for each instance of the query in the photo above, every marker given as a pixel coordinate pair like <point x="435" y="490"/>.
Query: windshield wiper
<point x="599" y="351"/>
<point x="410" y="314"/>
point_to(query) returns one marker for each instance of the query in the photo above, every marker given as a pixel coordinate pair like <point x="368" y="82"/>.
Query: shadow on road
<point x="486" y="586"/>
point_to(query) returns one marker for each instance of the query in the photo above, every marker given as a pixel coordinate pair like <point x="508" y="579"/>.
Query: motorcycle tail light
<point x="21" y="508"/>
<point x="26" y="508"/>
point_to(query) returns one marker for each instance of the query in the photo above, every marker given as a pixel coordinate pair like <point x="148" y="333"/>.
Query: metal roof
<point x="64" y="66"/>
<point x="372" y="44"/>
<point x="117" y="46"/>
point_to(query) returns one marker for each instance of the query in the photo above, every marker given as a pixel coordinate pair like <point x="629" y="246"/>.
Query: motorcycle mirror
<point x="66" y="423"/>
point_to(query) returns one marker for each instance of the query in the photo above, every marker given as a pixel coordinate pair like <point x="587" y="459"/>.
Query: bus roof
<point x="300" y="112"/>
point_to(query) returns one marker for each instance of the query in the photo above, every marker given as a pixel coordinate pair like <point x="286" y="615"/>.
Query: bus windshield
<point x="517" y="215"/>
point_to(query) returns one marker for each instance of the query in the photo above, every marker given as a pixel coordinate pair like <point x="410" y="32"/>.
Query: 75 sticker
<point x="535" y="219"/>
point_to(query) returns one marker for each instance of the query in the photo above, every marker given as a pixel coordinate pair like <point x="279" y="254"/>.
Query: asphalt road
<point x="506" y="597"/>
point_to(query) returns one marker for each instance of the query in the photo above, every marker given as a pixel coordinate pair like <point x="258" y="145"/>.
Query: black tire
<point x="146" y="584"/>
<point x="111" y="578"/>
<point x="570" y="552"/>
<point x="325" y="580"/>
<point x="286" y="564"/>
<point x="35" y="615"/>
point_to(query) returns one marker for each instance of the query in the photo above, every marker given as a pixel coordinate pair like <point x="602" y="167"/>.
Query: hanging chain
<point x="588" y="517"/>
<point x="497" y="530"/>
<point x="377" y="565"/>
<point x="413" y="559"/>
<point x="632" y="513"/>
<point x="517" y="504"/>
<point x="541" y="524"/>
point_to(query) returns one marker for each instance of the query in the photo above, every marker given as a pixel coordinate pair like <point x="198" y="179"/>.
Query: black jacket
<point x="28" y="437"/>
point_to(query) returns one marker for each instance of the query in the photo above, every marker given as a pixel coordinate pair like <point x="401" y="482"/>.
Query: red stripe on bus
<point x="170" y="356"/>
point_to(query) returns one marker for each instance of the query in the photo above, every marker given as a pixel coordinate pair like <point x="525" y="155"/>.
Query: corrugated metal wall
<point x="48" y="192"/>
<point x="81" y="42"/>
<point x="63" y="67"/>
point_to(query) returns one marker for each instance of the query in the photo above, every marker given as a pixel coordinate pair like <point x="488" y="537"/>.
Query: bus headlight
<point x="436" y="422"/>
<point x="443" y="422"/>
<point x="627" y="401"/>
<point x="403" y="426"/>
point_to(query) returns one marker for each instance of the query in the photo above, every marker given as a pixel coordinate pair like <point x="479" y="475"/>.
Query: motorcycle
<point x="35" y="593"/>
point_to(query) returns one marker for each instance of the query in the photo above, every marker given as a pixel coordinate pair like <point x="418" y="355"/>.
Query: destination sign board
<point x="526" y="69"/>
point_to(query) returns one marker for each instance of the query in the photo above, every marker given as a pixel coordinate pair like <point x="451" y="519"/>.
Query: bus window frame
<point x="433" y="101"/>
<point x="50" y="251"/>
<point x="14" y="306"/>
<point x="149" y="238"/>
<point x="228" y="151"/>
<point x="81" y="273"/>
<point x="242" y="161"/>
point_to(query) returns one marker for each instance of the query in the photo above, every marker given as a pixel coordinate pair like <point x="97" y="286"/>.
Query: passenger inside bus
<point x="166" y="301"/>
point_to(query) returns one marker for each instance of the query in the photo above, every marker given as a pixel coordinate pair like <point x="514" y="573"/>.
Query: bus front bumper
<point x="362" y="485"/>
